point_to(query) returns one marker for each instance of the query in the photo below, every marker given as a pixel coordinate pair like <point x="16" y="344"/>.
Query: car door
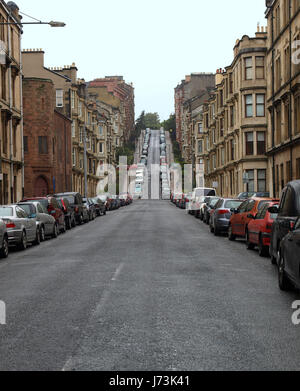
<point x="291" y="253"/>
<point x="255" y="225"/>
<point x="237" y="218"/>
<point x="27" y="223"/>
<point x="46" y="219"/>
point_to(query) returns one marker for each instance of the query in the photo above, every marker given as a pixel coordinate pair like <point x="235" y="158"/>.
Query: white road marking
<point x="69" y="365"/>
<point x="118" y="271"/>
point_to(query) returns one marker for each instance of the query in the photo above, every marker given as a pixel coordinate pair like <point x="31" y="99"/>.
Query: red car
<point x="51" y="204"/>
<point x="242" y="216"/>
<point x="259" y="230"/>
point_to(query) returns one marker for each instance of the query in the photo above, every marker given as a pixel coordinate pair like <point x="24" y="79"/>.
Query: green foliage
<point x="126" y="150"/>
<point x="170" y="126"/>
<point x="152" y="121"/>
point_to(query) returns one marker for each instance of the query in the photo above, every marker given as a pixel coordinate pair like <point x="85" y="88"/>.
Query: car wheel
<point x="73" y="223"/>
<point x="80" y="220"/>
<point x="249" y="245"/>
<point x="216" y="231"/>
<point x="262" y="250"/>
<point x="69" y="225"/>
<point x="104" y="212"/>
<point x="42" y="233"/>
<point x="201" y="216"/>
<point x="23" y="243"/>
<point x="55" y="231"/>
<point x="37" y="241"/>
<point x="4" y="250"/>
<point x="283" y="281"/>
<point x="64" y="228"/>
<point x="231" y="236"/>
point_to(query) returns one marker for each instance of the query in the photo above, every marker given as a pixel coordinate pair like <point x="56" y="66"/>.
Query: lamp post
<point x="20" y="25"/>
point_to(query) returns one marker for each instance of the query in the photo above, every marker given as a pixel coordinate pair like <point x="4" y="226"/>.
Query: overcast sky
<point x="152" y="43"/>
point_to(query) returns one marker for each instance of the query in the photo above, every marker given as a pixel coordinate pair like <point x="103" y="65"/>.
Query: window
<point x="232" y="147"/>
<point x="249" y="105"/>
<point x="259" y="67"/>
<point x="59" y="98"/>
<point x="277" y="21"/>
<point x="278" y="73"/>
<point x="4" y="132"/>
<point x="200" y="128"/>
<point x="288" y="171"/>
<point x="72" y="99"/>
<point x="248" y="68"/>
<point x="80" y="108"/>
<point x="81" y="134"/>
<point x="43" y="145"/>
<point x="287" y="63"/>
<point x="94" y="167"/>
<point x="261" y="181"/>
<point x="222" y="156"/>
<point x="261" y="143"/>
<point x="2" y="26"/>
<point x="260" y="105"/>
<point x="250" y="187"/>
<point x="278" y="125"/>
<point x="297" y="114"/>
<point x="200" y="146"/>
<point x="100" y="130"/>
<point x="73" y="129"/>
<point x="298" y="168"/>
<point x="101" y="147"/>
<point x="214" y="162"/>
<point x="221" y="127"/>
<point x="25" y="138"/>
<point x="3" y="82"/>
<point x="74" y="157"/>
<point x="249" y="143"/>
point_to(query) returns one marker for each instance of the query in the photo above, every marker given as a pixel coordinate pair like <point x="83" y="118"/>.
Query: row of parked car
<point x="32" y="220"/>
<point x="269" y="224"/>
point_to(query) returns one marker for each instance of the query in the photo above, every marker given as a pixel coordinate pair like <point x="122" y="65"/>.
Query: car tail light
<point x="223" y="211"/>
<point x="292" y="225"/>
<point x="187" y="200"/>
<point x="76" y="209"/>
<point x="9" y="224"/>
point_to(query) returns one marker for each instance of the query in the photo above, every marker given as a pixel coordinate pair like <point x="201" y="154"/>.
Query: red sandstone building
<point x="47" y="141"/>
<point x="125" y="93"/>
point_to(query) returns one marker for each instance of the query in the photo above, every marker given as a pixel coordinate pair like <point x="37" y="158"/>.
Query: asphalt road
<point x="145" y="288"/>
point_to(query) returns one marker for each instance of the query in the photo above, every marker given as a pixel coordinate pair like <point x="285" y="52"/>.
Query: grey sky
<point x="152" y="43"/>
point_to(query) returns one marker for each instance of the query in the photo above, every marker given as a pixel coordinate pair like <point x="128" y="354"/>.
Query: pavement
<point x="145" y="288"/>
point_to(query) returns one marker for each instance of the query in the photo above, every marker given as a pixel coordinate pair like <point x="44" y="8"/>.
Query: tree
<point x="170" y="126"/>
<point x="152" y="121"/>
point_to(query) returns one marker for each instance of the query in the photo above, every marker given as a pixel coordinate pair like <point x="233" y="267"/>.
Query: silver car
<point x="45" y="223"/>
<point x="20" y="228"/>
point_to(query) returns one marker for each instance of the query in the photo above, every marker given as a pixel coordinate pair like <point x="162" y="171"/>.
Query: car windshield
<point x="261" y="204"/>
<point x="232" y="204"/>
<point x="6" y="212"/>
<point x="213" y="202"/>
<point x="29" y="209"/>
<point x="44" y="203"/>
<point x="102" y="198"/>
<point x="70" y="198"/>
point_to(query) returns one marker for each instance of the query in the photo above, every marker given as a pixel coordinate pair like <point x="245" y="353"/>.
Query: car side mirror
<point x="273" y="209"/>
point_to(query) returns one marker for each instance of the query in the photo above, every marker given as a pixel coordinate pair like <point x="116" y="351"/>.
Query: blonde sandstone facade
<point x="11" y="148"/>
<point x="283" y="96"/>
<point x="235" y="123"/>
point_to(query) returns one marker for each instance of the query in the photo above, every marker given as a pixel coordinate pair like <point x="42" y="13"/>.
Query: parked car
<point x="117" y="203"/>
<point x="45" y="223"/>
<point x="76" y="203"/>
<point x="198" y="192"/>
<point x="99" y="206"/>
<point x="4" y="247"/>
<point x="289" y="259"/>
<point x="208" y="204"/>
<point x="288" y="212"/>
<point x="238" y="225"/>
<point x="68" y="212"/>
<point x="259" y="229"/>
<point x="221" y="214"/>
<point x="91" y="208"/>
<point x="246" y="195"/>
<point x="50" y="203"/>
<point x="21" y="228"/>
<point x="107" y="201"/>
